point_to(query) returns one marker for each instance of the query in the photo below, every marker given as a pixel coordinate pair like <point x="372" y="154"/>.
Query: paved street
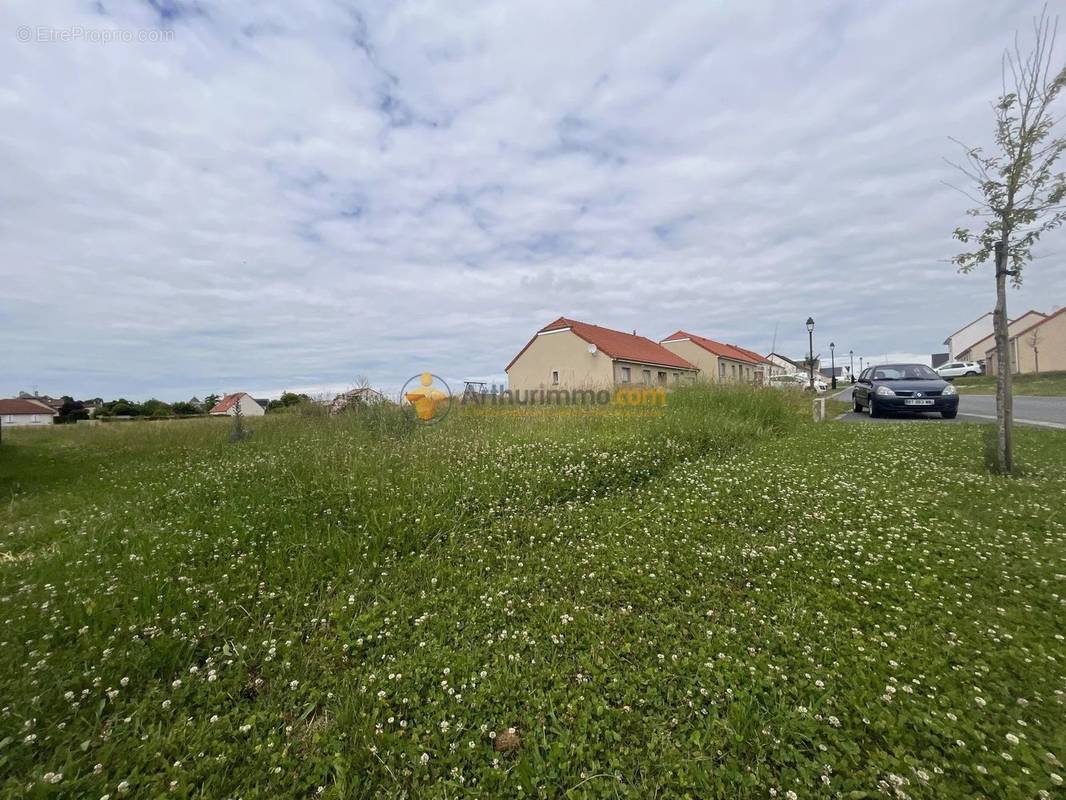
<point x="1047" y="412"/>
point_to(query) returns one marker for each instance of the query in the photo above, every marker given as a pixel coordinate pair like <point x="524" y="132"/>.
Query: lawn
<point x="1049" y="384"/>
<point x="718" y="599"/>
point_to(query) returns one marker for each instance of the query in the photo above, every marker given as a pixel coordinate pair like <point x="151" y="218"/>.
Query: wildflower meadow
<point x="720" y="599"/>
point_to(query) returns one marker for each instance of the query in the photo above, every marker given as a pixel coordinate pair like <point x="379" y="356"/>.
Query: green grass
<point x="716" y="600"/>
<point x="1049" y="384"/>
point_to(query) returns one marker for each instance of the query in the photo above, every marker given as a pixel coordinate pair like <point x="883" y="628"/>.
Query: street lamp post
<point x="860" y="364"/>
<point x="833" y="363"/>
<point x="851" y="354"/>
<point x="810" y="350"/>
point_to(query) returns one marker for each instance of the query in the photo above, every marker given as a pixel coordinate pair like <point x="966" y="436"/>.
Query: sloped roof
<point x="1038" y="323"/>
<point x="228" y="402"/>
<point x="785" y="358"/>
<point x="730" y="351"/>
<point x="991" y="338"/>
<point x="967" y="325"/>
<point x="752" y="354"/>
<point x="614" y="344"/>
<point x="21" y="406"/>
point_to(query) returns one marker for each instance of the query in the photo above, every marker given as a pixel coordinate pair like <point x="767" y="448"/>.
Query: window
<point x="734" y="371"/>
<point x="721" y="369"/>
<point x="555" y="377"/>
<point x="36" y="417"/>
<point x="662" y="378"/>
<point x="647" y="377"/>
<point x="625" y="374"/>
<point x="677" y="377"/>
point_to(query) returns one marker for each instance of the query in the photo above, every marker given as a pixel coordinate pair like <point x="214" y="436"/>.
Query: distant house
<point x="967" y="336"/>
<point x="1038" y="347"/>
<point x="976" y="351"/>
<point x="568" y="354"/>
<point x="262" y="401"/>
<point x="22" y="412"/>
<point x="718" y="362"/>
<point x="228" y="405"/>
<point x="55" y="403"/>
<point x="363" y="396"/>
<point x="785" y="364"/>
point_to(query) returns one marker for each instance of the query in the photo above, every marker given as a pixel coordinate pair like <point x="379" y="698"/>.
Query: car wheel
<point x="950" y="414"/>
<point x="970" y="374"/>
<point x="856" y="405"/>
<point x="875" y="412"/>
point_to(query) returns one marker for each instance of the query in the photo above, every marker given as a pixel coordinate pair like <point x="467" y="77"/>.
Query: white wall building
<point x="228" y="405"/>
<point x="25" y="413"/>
<point x="966" y="337"/>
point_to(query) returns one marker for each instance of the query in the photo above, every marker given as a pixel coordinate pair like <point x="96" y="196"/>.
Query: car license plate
<point x="918" y="402"/>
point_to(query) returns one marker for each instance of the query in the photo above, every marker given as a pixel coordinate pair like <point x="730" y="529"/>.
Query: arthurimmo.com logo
<point x="428" y="398"/>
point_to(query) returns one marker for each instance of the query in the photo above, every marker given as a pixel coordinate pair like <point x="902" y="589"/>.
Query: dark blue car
<point x="909" y="388"/>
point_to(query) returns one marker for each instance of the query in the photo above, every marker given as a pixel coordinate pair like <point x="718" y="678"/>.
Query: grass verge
<point x="716" y="601"/>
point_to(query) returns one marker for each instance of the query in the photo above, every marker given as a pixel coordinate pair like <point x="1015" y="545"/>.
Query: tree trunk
<point x="1004" y="410"/>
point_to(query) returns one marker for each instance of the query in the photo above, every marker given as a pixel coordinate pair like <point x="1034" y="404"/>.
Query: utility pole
<point x="851" y="354"/>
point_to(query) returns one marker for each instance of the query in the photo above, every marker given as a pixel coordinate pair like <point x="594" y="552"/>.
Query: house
<point x="785" y="364"/>
<point x="717" y="362"/>
<point x="568" y="354"/>
<point x="55" y="403"/>
<point x="363" y="396"/>
<point x="23" y="412"/>
<point x="1038" y="347"/>
<point x="976" y="351"/>
<point x="766" y="368"/>
<point x="228" y="405"/>
<point x="967" y="336"/>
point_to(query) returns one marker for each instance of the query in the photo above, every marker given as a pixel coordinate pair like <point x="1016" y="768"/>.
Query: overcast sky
<point x="290" y="195"/>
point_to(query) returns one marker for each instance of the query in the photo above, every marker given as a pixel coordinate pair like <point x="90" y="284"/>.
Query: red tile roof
<point x="720" y="349"/>
<point x="25" y="407"/>
<point x="227" y="402"/>
<point x="614" y="344"/>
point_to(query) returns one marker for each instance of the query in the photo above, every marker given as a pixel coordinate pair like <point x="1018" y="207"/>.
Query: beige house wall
<point x="568" y="354"/>
<point x="711" y="365"/>
<point x="1050" y="348"/>
<point x="641" y="374"/>
<point x="977" y="351"/>
<point x="565" y="352"/>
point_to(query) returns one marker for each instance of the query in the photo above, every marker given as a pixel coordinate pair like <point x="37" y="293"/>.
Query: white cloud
<point x="285" y="197"/>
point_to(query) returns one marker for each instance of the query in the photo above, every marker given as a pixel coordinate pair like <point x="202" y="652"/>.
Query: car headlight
<point x="884" y="391"/>
<point x="949" y="390"/>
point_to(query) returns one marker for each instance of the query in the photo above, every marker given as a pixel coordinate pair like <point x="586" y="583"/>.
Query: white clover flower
<point x="1012" y="738"/>
<point x="424" y="759"/>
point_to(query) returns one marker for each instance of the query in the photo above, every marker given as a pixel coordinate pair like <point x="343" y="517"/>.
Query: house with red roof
<point x="228" y="405"/>
<point x="720" y="362"/>
<point x="977" y="350"/>
<point x="26" y="412"/>
<point x="1039" y="346"/>
<point x="568" y="354"/>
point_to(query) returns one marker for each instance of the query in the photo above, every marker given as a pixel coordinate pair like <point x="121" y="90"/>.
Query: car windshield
<point x="904" y="372"/>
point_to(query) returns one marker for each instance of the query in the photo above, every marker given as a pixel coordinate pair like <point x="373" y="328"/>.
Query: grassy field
<point x="1051" y="384"/>
<point x="720" y="599"/>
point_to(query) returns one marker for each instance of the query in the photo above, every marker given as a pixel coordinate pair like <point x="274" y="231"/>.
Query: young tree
<point x="1033" y="340"/>
<point x="1016" y="191"/>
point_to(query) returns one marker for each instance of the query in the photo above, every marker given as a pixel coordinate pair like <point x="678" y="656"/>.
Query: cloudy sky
<point x="289" y="195"/>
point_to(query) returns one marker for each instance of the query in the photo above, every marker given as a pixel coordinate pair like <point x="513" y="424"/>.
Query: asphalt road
<point x="1046" y="412"/>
